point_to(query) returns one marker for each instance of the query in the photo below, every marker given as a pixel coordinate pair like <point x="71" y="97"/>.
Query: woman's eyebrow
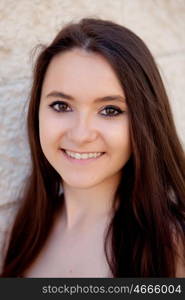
<point x="101" y="99"/>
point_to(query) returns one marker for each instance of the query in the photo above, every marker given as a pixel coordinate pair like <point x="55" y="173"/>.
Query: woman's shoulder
<point x="7" y="235"/>
<point x="180" y="260"/>
<point x="179" y="242"/>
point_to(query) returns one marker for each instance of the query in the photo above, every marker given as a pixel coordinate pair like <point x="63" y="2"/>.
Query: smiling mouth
<point x="82" y="156"/>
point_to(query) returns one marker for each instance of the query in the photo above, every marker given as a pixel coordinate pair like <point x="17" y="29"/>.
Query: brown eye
<point x="60" y="106"/>
<point x="111" y="111"/>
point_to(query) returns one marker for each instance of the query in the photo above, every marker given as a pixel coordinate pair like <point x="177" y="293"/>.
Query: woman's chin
<point x="80" y="184"/>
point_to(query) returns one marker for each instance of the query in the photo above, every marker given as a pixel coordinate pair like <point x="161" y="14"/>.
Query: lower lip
<point x="81" y="161"/>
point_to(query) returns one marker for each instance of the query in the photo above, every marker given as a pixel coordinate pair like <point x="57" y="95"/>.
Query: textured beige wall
<point x="25" y="23"/>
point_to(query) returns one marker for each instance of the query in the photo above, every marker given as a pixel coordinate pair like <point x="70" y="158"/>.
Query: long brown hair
<point x="152" y="189"/>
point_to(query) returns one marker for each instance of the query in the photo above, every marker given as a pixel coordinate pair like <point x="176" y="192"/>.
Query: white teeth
<point x="84" y="155"/>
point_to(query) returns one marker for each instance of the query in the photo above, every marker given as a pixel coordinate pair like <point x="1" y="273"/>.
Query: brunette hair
<point x="151" y="209"/>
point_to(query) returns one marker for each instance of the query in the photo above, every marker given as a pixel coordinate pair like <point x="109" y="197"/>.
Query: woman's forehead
<point x="78" y="69"/>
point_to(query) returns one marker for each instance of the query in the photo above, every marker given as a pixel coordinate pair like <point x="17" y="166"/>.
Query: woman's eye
<point x="60" y="106"/>
<point x="108" y="111"/>
<point x="111" y="111"/>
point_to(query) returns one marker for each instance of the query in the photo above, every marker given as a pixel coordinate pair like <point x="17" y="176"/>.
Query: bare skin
<point x="74" y="252"/>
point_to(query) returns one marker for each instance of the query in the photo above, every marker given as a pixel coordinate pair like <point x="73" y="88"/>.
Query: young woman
<point x="100" y="126"/>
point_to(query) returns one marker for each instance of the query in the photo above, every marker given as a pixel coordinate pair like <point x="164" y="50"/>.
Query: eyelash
<point x="116" y="109"/>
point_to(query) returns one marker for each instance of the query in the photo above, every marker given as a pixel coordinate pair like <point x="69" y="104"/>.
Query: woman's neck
<point x="90" y="205"/>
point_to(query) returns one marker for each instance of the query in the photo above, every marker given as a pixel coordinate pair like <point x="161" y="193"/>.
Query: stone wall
<point x="26" y="23"/>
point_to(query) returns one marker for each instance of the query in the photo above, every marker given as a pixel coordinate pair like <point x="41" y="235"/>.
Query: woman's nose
<point x="82" y="131"/>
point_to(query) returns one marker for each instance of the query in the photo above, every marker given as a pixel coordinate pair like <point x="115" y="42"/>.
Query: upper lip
<point x="75" y="151"/>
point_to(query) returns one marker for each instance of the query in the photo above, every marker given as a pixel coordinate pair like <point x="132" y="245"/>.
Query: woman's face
<point x="83" y="119"/>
